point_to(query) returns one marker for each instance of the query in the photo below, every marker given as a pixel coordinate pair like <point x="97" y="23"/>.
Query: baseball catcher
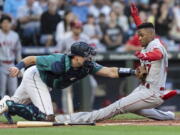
<point x="56" y="71"/>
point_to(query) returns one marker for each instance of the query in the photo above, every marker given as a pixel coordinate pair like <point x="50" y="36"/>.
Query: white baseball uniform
<point x="10" y="50"/>
<point x="141" y="101"/>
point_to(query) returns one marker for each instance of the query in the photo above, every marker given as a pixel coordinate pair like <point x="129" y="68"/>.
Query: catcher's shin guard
<point x="28" y="112"/>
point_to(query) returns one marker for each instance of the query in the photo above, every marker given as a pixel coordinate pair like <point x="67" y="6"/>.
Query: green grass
<point x="117" y="117"/>
<point x="88" y="130"/>
<point x="94" y="130"/>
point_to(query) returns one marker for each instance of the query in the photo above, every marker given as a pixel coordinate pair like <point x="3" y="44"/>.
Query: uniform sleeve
<point x="96" y="68"/>
<point x="53" y="63"/>
<point x="44" y="63"/>
<point x="153" y="55"/>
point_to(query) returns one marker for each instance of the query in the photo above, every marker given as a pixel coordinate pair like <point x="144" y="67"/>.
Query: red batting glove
<point x="140" y="55"/>
<point x="135" y="14"/>
<point x="137" y="53"/>
<point x="134" y="10"/>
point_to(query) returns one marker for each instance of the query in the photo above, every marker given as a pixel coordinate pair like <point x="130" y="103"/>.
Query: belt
<point x="147" y="85"/>
<point x="6" y="62"/>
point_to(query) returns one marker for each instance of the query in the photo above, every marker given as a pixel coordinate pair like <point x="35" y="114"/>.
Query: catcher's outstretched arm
<point x="115" y="72"/>
<point x="30" y="60"/>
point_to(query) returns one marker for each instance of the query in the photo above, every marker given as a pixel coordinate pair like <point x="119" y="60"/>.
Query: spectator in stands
<point x="153" y="13"/>
<point x="122" y="20"/>
<point x="43" y="4"/>
<point x="11" y="6"/>
<point x="113" y="33"/>
<point x="94" y="32"/>
<point x="175" y="31"/>
<point x="144" y="5"/>
<point x="75" y="36"/>
<point x="63" y="7"/>
<point x="28" y="17"/>
<point x="64" y="27"/>
<point x="102" y="22"/>
<point x="99" y="7"/>
<point x="80" y="8"/>
<point x="49" y="21"/>
<point x="1" y="6"/>
<point x="118" y="8"/>
<point x="163" y="21"/>
<point x="109" y="2"/>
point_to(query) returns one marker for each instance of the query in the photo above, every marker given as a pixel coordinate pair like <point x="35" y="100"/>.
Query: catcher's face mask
<point x="90" y="54"/>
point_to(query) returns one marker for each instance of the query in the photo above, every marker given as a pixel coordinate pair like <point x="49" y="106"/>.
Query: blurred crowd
<point x="107" y="24"/>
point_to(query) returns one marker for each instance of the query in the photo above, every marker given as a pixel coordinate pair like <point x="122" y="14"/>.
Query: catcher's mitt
<point x="141" y="73"/>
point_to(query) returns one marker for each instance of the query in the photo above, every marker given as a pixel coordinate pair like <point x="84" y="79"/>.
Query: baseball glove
<point x="141" y="73"/>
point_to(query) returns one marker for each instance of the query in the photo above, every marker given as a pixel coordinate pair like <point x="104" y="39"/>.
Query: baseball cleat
<point x="3" y="105"/>
<point x="171" y="115"/>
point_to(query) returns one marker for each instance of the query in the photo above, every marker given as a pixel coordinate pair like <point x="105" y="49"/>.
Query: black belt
<point x="6" y="62"/>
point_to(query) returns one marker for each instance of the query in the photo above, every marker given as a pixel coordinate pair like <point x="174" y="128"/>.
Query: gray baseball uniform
<point x="10" y="50"/>
<point x="141" y="100"/>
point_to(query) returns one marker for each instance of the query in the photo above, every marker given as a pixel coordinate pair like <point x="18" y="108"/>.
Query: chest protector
<point x="72" y="75"/>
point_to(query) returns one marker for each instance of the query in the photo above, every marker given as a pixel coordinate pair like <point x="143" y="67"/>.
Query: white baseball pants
<point x="33" y="89"/>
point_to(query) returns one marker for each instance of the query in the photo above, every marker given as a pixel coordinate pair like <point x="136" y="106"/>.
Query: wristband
<point x="20" y="65"/>
<point x="124" y="72"/>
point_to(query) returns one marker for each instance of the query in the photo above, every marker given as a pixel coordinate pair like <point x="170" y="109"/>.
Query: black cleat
<point x="8" y="117"/>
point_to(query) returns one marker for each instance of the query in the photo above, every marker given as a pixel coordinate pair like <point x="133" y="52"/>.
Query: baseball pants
<point x="33" y="89"/>
<point x="140" y="101"/>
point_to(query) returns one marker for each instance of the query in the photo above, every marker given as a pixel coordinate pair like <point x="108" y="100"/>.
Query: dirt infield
<point x="140" y="123"/>
<point x="5" y="125"/>
<point x="120" y="123"/>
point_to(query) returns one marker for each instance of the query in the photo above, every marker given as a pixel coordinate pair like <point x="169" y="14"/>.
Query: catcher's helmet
<point x="82" y="49"/>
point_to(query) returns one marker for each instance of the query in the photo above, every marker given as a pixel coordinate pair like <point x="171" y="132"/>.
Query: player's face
<point x="145" y="36"/>
<point x="6" y="25"/>
<point x="80" y="61"/>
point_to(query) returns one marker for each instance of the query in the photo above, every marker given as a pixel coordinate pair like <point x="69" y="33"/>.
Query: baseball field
<point x="126" y="124"/>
